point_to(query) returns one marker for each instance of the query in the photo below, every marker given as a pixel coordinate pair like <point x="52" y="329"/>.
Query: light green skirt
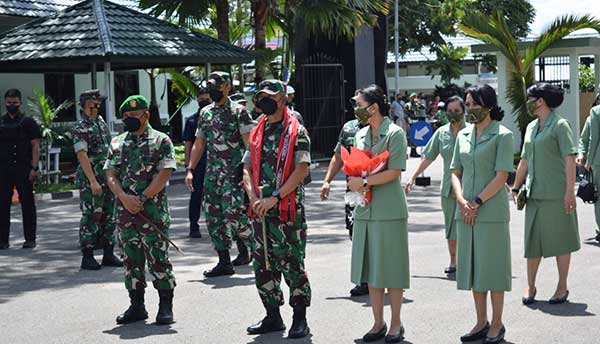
<point x="483" y="256"/>
<point x="380" y="254"/>
<point x="549" y="230"/>
<point x="448" y="208"/>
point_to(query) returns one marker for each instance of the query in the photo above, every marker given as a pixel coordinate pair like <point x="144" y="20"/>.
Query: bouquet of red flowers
<point x="360" y="163"/>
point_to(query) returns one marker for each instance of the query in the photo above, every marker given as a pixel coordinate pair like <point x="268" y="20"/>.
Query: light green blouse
<point x="545" y="148"/>
<point x="479" y="160"/>
<point x="388" y="202"/>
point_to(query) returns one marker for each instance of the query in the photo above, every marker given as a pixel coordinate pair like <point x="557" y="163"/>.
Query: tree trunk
<point x="261" y="11"/>
<point x="222" y="19"/>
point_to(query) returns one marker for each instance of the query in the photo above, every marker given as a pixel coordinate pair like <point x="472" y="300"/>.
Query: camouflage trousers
<point x="141" y="245"/>
<point x="97" y="217"/>
<point x="286" y="245"/>
<point x="225" y="212"/>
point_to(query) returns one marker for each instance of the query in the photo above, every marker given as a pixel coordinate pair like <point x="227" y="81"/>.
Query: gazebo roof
<point x="42" y="8"/>
<point x="97" y="31"/>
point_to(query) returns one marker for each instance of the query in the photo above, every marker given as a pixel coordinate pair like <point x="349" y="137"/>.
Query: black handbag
<point x="588" y="191"/>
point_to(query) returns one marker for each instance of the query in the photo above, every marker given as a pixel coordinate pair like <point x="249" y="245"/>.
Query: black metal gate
<point x="323" y="105"/>
<point x="553" y="70"/>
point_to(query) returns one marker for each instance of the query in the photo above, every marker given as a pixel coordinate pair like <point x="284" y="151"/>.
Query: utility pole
<point x="396" y="44"/>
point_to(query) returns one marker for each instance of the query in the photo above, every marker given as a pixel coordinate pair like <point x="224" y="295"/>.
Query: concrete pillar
<point x="572" y="111"/>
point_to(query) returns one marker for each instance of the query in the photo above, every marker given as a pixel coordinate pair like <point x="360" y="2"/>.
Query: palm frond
<point x="494" y="31"/>
<point x="557" y="30"/>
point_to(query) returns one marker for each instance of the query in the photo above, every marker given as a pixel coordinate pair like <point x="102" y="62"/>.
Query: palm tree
<point x="495" y="31"/>
<point x="43" y="109"/>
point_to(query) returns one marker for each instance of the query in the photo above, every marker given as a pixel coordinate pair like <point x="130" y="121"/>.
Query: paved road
<point x="45" y="298"/>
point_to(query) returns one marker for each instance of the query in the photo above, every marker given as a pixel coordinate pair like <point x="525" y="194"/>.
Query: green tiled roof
<point x="102" y="31"/>
<point x="43" y="8"/>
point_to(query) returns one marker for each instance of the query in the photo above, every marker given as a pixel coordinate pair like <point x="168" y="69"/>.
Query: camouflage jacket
<point x="346" y="137"/>
<point x="270" y="150"/>
<point x="222" y="127"/>
<point x="136" y="162"/>
<point x="414" y="110"/>
<point x="93" y="137"/>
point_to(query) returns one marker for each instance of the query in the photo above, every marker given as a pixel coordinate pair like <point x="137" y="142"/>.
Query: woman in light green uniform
<point x="589" y="153"/>
<point x="380" y="235"/>
<point x="442" y="143"/>
<point x="483" y="157"/>
<point x="548" y="161"/>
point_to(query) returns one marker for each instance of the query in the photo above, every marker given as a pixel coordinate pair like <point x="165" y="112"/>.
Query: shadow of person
<point x="365" y="299"/>
<point x="140" y="329"/>
<point x="278" y="337"/>
<point x="223" y="282"/>
<point x="448" y="277"/>
<point x="567" y="309"/>
<point x="592" y="242"/>
<point x="359" y="340"/>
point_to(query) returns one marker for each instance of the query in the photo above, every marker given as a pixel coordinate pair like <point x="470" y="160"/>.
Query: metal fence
<point x="323" y="105"/>
<point x="553" y="70"/>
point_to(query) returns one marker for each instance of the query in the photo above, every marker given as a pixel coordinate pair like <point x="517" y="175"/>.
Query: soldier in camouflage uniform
<point x="279" y="213"/>
<point x="346" y="140"/>
<point x="140" y="163"/>
<point x="413" y="111"/>
<point x="223" y="128"/>
<point x="91" y="139"/>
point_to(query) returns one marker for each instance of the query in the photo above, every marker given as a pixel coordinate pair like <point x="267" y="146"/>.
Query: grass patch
<point x="180" y="155"/>
<point x="54" y="188"/>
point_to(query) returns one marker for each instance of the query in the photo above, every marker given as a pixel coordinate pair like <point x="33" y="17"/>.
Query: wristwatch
<point x="143" y="198"/>
<point x="277" y="195"/>
<point x="189" y="169"/>
<point x="515" y="190"/>
<point x="478" y="201"/>
<point x="365" y="182"/>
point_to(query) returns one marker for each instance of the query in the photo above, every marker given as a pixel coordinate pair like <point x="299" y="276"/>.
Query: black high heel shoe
<point x="373" y="337"/>
<point x="471" y="337"/>
<point x="557" y="300"/>
<point x="395" y="338"/>
<point x="527" y="300"/>
<point x="498" y="339"/>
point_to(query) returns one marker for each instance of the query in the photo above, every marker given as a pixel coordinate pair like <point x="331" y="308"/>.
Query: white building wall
<point x="24" y="83"/>
<point x="424" y="83"/>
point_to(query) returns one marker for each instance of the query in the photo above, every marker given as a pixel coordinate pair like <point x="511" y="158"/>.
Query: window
<point x="61" y="87"/>
<point x="126" y="84"/>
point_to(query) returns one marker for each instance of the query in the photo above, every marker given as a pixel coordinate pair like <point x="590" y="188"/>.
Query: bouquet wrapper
<point x="360" y="163"/>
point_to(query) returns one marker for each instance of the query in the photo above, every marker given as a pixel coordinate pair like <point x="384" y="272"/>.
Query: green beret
<point x="413" y="95"/>
<point x="219" y="78"/>
<point x="133" y="103"/>
<point x="271" y="86"/>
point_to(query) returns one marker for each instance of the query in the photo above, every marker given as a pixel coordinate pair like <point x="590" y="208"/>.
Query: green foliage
<point x="519" y="14"/>
<point x="448" y="63"/>
<point x="41" y="188"/>
<point x="43" y="109"/>
<point x="495" y="31"/>
<point x="587" y="79"/>
<point x="185" y="12"/>
<point x="180" y="155"/>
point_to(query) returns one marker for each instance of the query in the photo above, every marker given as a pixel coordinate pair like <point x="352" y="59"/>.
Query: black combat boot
<point x="299" y="327"/>
<point x="109" y="258"/>
<point x="165" y="307"/>
<point x="271" y="323"/>
<point x="87" y="261"/>
<point x="243" y="257"/>
<point x="137" y="309"/>
<point x="223" y="267"/>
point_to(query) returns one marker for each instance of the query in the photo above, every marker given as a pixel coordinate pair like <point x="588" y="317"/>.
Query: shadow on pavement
<point x="567" y="309"/>
<point x="278" y="337"/>
<point x="140" y="330"/>
<point x="365" y="300"/>
<point x="449" y="277"/>
<point x="359" y="340"/>
<point x="226" y="281"/>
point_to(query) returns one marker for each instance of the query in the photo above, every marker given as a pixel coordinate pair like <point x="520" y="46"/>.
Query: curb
<point x="56" y="195"/>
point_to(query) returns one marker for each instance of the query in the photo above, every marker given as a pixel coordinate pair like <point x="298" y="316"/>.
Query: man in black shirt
<point x="19" y="155"/>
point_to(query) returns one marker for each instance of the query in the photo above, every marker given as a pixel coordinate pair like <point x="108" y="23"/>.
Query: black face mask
<point x="203" y="103"/>
<point x="132" y="124"/>
<point x="216" y="95"/>
<point x="12" y="109"/>
<point x="267" y="105"/>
